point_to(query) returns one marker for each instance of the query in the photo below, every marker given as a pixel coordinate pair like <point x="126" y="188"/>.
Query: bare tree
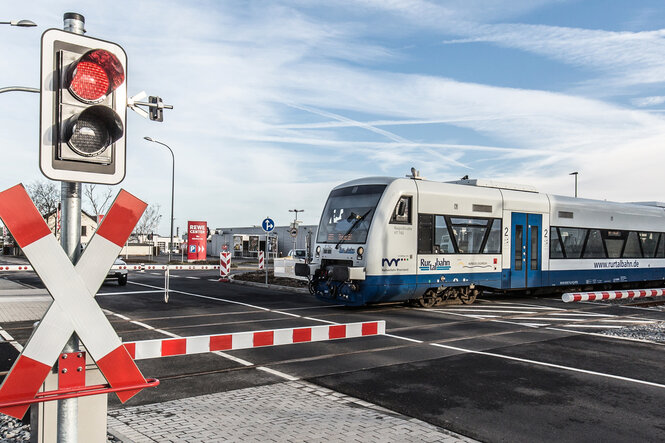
<point x="98" y="199"/>
<point x="45" y="195"/>
<point x="148" y="222"/>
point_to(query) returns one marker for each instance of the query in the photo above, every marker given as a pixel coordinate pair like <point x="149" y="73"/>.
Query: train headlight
<point x="318" y="251"/>
<point x="360" y="252"/>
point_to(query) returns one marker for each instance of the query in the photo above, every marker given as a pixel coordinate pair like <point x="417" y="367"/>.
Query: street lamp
<point x="172" y="188"/>
<point x="575" y="174"/>
<point x="20" y="23"/>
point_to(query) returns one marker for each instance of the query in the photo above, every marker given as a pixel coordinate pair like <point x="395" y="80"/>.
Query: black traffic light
<point x="83" y="108"/>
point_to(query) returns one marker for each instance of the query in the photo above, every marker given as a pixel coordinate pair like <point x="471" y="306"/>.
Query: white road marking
<point x="550" y="365"/>
<point x="8" y="338"/>
<point x="277" y="373"/>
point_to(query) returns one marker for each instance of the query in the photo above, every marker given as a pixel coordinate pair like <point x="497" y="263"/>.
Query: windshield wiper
<point x="353" y="226"/>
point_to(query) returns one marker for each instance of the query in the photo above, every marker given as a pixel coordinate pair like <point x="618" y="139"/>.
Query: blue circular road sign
<point x="268" y="225"/>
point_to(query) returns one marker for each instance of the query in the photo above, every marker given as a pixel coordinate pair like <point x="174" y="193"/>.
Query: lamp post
<point x="575" y="174"/>
<point x="172" y="188"/>
<point x="20" y="23"/>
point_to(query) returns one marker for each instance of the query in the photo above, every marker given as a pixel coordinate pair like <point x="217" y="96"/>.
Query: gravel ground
<point x="654" y="332"/>
<point x="12" y="430"/>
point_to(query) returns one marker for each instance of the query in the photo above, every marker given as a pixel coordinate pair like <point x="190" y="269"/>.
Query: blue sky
<point x="276" y="102"/>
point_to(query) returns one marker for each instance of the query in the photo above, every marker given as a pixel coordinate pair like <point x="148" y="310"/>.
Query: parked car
<point x="119" y="274"/>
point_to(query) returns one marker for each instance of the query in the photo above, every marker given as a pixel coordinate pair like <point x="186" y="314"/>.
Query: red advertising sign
<point x="197" y="237"/>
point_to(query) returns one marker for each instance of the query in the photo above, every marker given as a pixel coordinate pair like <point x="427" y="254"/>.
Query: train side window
<point x="443" y="243"/>
<point x="661" y="246"/>
<point x="632" y="249"/>
<point x="594" y="245"/>
<point x="469" y="233"/>
<point x="649" y="242"/>
<point x="402" y="212"/>
<point x="493" y="244"/>
<point x="425" y="233"/>
<point x="556" y="250"/>
<point x="573" y="240"/>
<point x="614" y="241"/>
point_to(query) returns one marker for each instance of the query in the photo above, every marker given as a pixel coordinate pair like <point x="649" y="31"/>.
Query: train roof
<point x="650" y="207"/>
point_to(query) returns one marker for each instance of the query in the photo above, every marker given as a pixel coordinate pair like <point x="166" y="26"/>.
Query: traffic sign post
<point x="73" y="310"/>
<point x="268" y="226"/>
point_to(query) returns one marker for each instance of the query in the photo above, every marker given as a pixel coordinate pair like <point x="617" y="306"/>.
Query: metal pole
<point x="70" y="239"/>
<point x="575" y="174"/>
<point x="265" y="263"/>
<point x="172" y="187"/>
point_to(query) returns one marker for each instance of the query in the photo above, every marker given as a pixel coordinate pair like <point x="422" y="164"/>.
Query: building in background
<point x="245" y="242"/>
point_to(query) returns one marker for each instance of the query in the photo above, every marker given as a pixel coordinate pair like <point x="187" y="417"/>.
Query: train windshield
<point x="348" y="214"/>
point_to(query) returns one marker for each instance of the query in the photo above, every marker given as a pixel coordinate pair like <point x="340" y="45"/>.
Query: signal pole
<point x="70" y="239"/>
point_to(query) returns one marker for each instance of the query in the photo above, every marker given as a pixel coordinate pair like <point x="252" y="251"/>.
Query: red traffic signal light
<point x="83" y="108"/>
<point x="96" y="74"/>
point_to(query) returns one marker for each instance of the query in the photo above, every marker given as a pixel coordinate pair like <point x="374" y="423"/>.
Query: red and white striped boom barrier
<point x="254" y="339"/>
<point x="611" y="295"/>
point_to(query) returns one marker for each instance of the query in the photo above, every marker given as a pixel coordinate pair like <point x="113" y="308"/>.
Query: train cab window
<point x="660" y="252"/>
<point x="443" y="243"/>
<point x="573" y="240"/>
<point x="556" y="250"/>
<point x="594" y="245"/>
<point x="649" y="241"/>
<point x="425" y="233"/>
<point x="632" y="249"/>
<point x="493" y="243"/>
<point x="402" y="212"/>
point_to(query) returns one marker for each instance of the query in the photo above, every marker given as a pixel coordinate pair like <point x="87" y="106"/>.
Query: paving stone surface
<point x="295" y="411"/>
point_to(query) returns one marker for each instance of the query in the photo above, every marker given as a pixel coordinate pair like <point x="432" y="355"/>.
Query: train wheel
<point x="468" y="296"/>
<point x="427" y="300"/>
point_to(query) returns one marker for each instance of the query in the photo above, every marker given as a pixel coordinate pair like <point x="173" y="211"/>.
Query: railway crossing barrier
<point x="611" y="295"/>
<point x="73" y="310"/>
<point x="245" y="340"/>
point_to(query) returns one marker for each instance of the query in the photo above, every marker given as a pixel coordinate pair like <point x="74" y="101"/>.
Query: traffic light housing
<point x="83" y="108"/>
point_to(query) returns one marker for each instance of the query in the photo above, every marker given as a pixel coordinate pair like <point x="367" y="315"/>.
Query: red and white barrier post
<point x="224" y="266"/>
<point x="262" y="263"/>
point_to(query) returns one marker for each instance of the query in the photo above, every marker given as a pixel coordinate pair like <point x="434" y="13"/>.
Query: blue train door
<point x="525" y="255"/>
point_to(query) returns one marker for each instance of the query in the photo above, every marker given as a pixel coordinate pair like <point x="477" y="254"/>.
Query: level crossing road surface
<point x="503" y="369"/>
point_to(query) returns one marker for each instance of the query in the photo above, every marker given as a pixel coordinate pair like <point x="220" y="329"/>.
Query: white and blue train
<point x="383" y="239"/>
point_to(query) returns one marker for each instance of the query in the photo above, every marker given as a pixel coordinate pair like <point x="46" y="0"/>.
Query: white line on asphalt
<point x="577" y="325"/>
<point x="498" y="311"/>
<point x="143" y="325"/>
<point x="550" y="365"/>
<point x="130" y="292"/>
<point x="193" y="278"/>
<point x="404" y="338"/>
<point x="5" y="335"/>
<point x="613" y="337"/>
<point x="277" y="373"/>
<point x="235" y="359"/>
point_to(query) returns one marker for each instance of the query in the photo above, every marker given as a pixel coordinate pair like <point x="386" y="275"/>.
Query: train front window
<point x="348" y="214"/>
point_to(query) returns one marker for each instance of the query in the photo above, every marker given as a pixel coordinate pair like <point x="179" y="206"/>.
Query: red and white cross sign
<point x="72" y="287"/>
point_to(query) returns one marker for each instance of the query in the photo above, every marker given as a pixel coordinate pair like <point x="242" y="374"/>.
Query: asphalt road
<point x="503" y="369"/>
